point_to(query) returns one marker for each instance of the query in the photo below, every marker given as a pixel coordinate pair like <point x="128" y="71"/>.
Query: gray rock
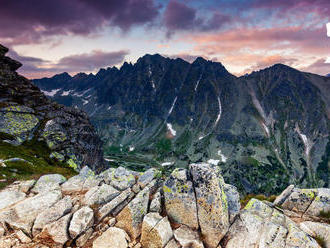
<point x="81" y="221"/>
<point x="110" y="206"/>
<point x="115" y="236"/>
<point x="147" y="177"/>
<point x="233" y="199"/>
<point x="284" y="195"/>
<point x="299" y="200"/>
<point x="122" y="179"/>
<point x="212" y="204"/>
<point x="58" y="230"/>
<point x="156" y="231"/>
<point x="320" y="203"/>
<point x="131" y="217"/>
<point x="83" y="238"/>
<point x="100" y="195"/>
<point x="317" y="229"/>
<point x="180" y="201"/>
<point x="172" y="244"/>
<point x="187" y="237"/>
<point x="48" y="182"/>
<point x="52" y="214"/>
<point x="23" y="214"/>
<point x="9" y="197"/>
<point x="155" y="205"/>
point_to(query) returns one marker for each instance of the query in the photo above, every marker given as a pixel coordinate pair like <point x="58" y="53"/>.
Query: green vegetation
<point x="325" y="214"/>
<point x="33" y="162"/>
<point x="260" y="197"/>
<point x="320" y="241"/>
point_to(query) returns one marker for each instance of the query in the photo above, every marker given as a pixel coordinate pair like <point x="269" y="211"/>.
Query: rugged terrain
<point x="192" y="208"/>
<point x="265" y="130"/>
<point x="36" y="133"/>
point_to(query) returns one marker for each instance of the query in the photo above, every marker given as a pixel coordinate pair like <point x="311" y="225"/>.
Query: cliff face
<point x="264" y="130"/>
<point x="191" y="208"/>
<point x="29" y="119"/>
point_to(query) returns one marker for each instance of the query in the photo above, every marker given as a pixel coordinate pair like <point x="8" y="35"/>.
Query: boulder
<point x="187" y="237"/>
<point x="317" y="230"/>
<point x="100" y="195"/>
<point x="23" y="214"/>
<point x="130" y="218"/>
<point x="284" y="195"/>
<point x="114" y="236"/>
<point x="260" y="225"/>
<point x="10" y="197"/>
<point x="180" y="201"/>
<point x="155" y="205"/>
<point x="58" y="230"/>
<point x="299" y="200"/>
<point x="172" y="244"/>
<point x="122" y="179"/>
<point x="156" y="231"/>
<point x="83" y="238"/>
<point x="233" y="200"/>
<point x="110" y="206"/>
<point x="52" y="214"/>
<point x="212" y="205"/>
<point x="81" y="221"/>
<point x="147" y="177"/>
<point x="48" y="183"/>
<point x="23" y="237"/>
<point x="321" y="203"/>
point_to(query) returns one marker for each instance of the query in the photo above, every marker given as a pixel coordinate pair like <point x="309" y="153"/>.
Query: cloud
<point x="188" y="57"/>
<point x="86" y="62"/>
<point x="180" y="17"/>
<point x="23" y="22"/>
<point x="319" y="67"/>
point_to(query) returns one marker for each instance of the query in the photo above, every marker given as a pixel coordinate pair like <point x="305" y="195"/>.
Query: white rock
<point x="58" y="230"/>
<point x="316" y="229"/>
<point x="48" y="182"/>
<point x="23" y="237"/>
<point x="115" y="236"/>
<point x="52" y="214"/>
<point x="10" y="197"/>
<point x="100" y="195"/>
<point x="81" y="221"/>
<point x="187" y="237"/>
<point x="82" y="239"/>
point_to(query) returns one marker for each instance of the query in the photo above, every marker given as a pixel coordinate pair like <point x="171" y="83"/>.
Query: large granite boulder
<point x="113" y="237"/>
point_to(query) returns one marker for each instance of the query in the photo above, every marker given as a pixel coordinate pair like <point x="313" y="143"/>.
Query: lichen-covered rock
<point x="321" y="203"/>
<point x="114" y="237"/>
<point x="23" y="214"/>
<point x="9" y="197"/>
<point x="52" y="214"/>
<point x="81" y="221"/>
<point x="260" y="225"/>
<point x="234" y="204"/>
<point x="155" y="205"/>
<point x="187" y="237"/>
<point x="48" y="183"/>
<point x="58" y="230"/>
<point x="284" y="195"/>
<point x="156" y="231"/>
<point x="27" y="114"/>
<point x="180" y="201"/>
<point x="110" y="206"/>
<point x="122" y="179"/>
<point x="100" y="195"/>
<point x="130" y="218"/>
<point x="317" y="230"/>
<point x="212" y="205"/>
<point x="299" y="199"/>
<point x="147" y="177"/>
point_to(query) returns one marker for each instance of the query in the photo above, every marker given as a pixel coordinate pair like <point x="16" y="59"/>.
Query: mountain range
<point x="265" y="130"/>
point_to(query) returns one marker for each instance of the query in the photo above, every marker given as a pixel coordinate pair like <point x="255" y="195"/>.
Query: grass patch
<point x="325" y="214"/>
<point x="260" y="197"/>
<point x="37" y="163"/>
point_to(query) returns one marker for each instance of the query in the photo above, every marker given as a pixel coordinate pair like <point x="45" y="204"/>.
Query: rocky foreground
<point x="191" y="208"/>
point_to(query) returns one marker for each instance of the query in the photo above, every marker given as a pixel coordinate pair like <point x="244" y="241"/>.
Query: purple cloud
<point x="179" y="16"/>
<point x="86" y="62"/>
<point x="24" y="22"/>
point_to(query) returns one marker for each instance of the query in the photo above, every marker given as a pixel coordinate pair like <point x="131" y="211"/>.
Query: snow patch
<point x="85" y="101"/>
<point x="109" y="160"/>
<point x="171" y="109"/>
<point x="223" y="157"/>
<point x="131" y="148"/>
<point x="219" y="114"/>
<point x="109" y="108"/>
<point x="50" y="93"/>
<point x="213" y="161"/>
<point x="65" y="93"/>
<point x="167" y="163"/>
<point x="170" y="128"/>
<point x="197" y="83"/>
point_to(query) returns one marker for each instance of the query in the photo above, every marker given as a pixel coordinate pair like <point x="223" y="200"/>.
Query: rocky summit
<point x="265" y="130"/>
<point x="35" y="131"/>
<point x="192" y="208"/>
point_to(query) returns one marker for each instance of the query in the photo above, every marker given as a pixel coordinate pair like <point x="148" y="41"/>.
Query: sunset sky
<point x="50" y="37"/>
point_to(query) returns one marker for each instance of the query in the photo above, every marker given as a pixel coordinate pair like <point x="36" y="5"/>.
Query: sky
<point x="51" y="37"/>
